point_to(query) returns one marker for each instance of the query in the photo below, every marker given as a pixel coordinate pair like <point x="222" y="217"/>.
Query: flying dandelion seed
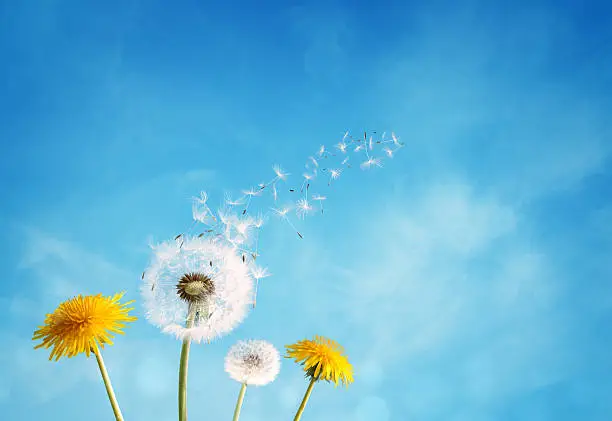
<point x="303" y="208"/>
<point x="372" y="162"/>
<point x="258" y="273"/>
<point x="334" y="174"/>
<point x="280" y="174"/>
<point x="320" y="199"/>
<point x="200" y="210"/>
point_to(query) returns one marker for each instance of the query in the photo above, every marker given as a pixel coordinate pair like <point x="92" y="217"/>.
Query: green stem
<point x="182" y="385"/>
<point x="107" y="383"/>
<point x="298" y="415"/>
<point x="239" y="403"/>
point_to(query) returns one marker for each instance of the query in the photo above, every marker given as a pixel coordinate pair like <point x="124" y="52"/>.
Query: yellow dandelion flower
<point x="81" y="323"/>
<point x="322" y="359"/>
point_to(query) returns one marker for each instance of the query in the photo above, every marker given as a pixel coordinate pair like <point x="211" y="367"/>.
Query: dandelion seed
<point x="282" y="175"/>
<point x="274" y="192"/>
<point x="230" y="202"/>
<point x="358" y="148"/>
<point x="370" y="163"/>
<point x="388" y="151"/>
<point x="345" y="160"/>
<point x="320" y="199"/>
<point x="345" y="136"/>
<point x="321" y="150"/>
<point x="281" y="212"/>
<point x="303" y="207"/>
<point x="251" y="192"/>
<point x="200" y="210"/>
<point x="314" y="161"/>
<point x="396" y="141"/>
<point x="342" y="147"/>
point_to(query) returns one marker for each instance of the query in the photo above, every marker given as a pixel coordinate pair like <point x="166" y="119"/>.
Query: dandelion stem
<point x="107" y="383"/>
<point x="182" y="385"/>
<point x="239" y="402"/>
<point x="298" y="415"/>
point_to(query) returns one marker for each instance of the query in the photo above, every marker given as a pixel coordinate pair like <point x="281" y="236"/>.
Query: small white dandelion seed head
<point x="280" y="173"/>
<point x="253" y="362"/>
<point x="335" y="173"/>
<point x="307" y="176"/>
<point x="223" y="307"/>
<point x="303" y="207"/>
<point x="342" y="147"/>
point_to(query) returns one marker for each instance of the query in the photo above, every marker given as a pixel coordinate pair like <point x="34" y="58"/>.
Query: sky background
<point x="469" y="279"/>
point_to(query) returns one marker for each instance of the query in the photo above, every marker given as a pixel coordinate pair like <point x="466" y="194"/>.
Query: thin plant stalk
<point x="107" y="383"/>
<point x="182" y="384"/>
<point x="239" y="402"/>
<point x="300" y="410"/>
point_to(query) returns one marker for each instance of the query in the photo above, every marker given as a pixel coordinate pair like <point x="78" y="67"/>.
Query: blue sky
<point x="469" y="279"/>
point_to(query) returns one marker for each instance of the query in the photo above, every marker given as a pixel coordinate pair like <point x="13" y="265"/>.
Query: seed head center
<point x="195" y="287"/>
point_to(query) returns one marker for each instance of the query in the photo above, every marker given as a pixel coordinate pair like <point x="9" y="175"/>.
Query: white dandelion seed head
<point x="254" y="362"/>
<point x="223" y="309"/>
<point x="335" y="173"/>
<point x="342" y="147"/>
